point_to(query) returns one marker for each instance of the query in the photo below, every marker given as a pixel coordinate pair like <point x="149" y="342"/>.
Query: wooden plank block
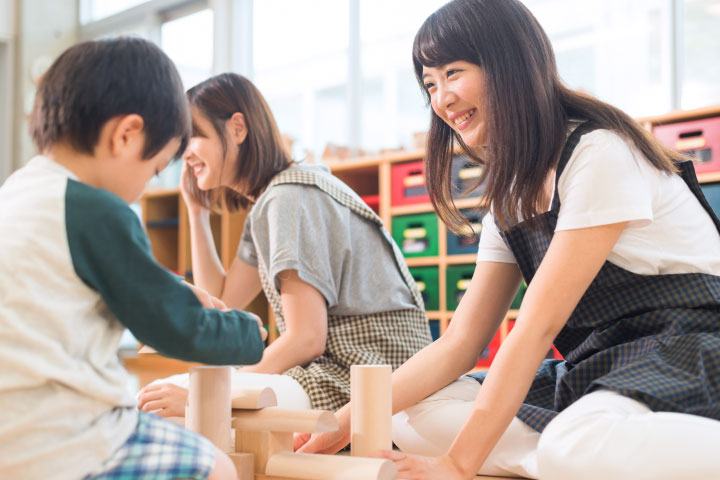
<point x="253" y="398"/>
<point x="305" y="466"/>
<point x="275" y="419"/>
<point x="244" y="465"/>
<point x="263" y="445"/>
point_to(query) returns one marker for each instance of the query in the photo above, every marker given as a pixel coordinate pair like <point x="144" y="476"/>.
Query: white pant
<point x="289" y="392"/>
<point x="601" y="436"/>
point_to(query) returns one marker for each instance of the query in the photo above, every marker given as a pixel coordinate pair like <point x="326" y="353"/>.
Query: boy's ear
<point x="127" y="134"/>
<point x="237" y="128"/>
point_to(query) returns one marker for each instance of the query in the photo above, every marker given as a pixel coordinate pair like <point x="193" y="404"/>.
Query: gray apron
<point x="389" y="338"/>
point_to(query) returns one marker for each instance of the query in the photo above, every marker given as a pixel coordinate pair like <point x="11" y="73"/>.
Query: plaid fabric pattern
<point x="379" y="338"/>
<point x="653" y="338"/>
<point x="159" y="450"/>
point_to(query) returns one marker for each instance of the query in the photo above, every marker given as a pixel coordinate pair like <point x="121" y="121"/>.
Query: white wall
<point x="7" y="68"/>
<point x="45" y="29"/>
<point x="7" y="18"/>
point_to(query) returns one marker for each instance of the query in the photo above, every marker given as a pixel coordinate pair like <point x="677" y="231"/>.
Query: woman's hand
<point x="194" y="208"/>
<point x="328" y="442"/>
<point x="164" y="399"/>
<point x="415" y="467"/>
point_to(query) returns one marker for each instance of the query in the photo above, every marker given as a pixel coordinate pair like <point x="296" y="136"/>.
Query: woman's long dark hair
<point x="261" y="156"/>
<point x="527" y="108"/>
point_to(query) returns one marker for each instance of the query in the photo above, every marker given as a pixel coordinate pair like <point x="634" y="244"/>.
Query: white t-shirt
<point x="607" y="180"/>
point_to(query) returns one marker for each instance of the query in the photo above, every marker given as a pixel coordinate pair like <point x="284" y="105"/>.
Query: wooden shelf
<point x="709" y="177"/>
<point x="460" y="259"/>
<point x="461" y="204"/>
<point x="681" y="115"/>
<point x="422" y="261"/>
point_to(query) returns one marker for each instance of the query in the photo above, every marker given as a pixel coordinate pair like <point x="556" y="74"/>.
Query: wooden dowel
<point x="371" y="409"/>
<point x="208" y="409"/>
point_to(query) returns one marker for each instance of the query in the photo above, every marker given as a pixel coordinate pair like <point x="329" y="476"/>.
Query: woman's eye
<point x="429" y="85"/>
<point x="452" y="72"/>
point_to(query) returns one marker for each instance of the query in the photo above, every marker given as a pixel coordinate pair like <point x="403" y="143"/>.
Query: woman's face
<point x="204" y="154"/>
<point x="457" y="96"/>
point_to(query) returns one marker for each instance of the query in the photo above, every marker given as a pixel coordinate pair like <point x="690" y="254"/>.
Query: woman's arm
<point x="473" y="325"/>
<point x="305" y="315"/>
<point x="572" y="262"/>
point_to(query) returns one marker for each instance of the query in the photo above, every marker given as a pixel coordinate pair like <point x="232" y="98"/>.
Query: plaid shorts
<point x="159" y="450"/>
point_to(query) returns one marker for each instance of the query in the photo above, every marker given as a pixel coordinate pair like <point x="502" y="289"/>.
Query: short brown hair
<point x="263" y="153"/>
<point x="92" y="82"/>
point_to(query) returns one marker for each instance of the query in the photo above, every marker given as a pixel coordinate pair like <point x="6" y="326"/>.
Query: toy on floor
<point x="263" y="447"/>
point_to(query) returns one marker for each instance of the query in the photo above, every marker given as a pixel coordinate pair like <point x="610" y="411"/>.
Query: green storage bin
<point x="458" y="280"/>
<point x="416" y="235"/>
<point x="519" y="297"/>
<point x="427" y="279"/>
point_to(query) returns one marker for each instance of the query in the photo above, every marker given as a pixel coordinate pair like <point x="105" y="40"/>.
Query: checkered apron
<point x="653" y="338"/>
<point x="388" y="338"/>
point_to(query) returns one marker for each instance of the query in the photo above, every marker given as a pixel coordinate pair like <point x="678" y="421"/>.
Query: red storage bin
<point x="488" y="355"/>
<point x="408" y="183"/>
<point x="700" y="139"/>
<point x="552" y="353"/>
<point x="373" y="201"/>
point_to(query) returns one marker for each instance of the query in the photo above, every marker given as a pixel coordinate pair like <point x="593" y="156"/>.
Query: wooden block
<point x="370" y="409"/>
<point x="329" y="467"/>
<point x="253" y="398"/>
<point x="263" y="445"/>
<point x="275" y="419"/>
<point x="244" y="465"/>
<point x="208" y="409"/>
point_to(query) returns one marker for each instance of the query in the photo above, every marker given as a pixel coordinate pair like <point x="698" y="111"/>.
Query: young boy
<point x="76" y="269"/>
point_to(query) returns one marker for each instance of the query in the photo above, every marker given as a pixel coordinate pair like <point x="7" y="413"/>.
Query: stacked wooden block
<point x="263" y="433"/>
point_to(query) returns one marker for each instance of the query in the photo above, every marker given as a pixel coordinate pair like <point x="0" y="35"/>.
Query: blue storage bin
<point x="435" y="329"/>
<point x="712" y="193"/>
<point x="465" y="174"/>
<point x="458" y="245"/>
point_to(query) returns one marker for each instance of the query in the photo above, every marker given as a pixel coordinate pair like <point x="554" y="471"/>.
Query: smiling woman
<point x="587" y="208"/>
<point x="334" y="278"/>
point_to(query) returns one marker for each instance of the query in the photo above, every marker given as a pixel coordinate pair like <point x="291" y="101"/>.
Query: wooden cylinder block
<point x="371" y="409"/>
<point x="208" y="409"/>
<point x="329" y="467"/>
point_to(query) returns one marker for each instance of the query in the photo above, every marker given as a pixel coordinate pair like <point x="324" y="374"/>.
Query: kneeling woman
<point x="338" y="286"/>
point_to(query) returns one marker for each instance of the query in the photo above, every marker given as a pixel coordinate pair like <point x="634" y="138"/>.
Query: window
<point x="393" y="107"/>
<point x="618" y="51"/>
<point x="301" y="67"/>
<point x="188" y="41"/>
<point x="92" y="10"/>
<point x="700" y="67"/>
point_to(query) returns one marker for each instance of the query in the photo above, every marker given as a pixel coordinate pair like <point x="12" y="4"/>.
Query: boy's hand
<point x="164" y="399"/>
<point x="207" y="300"/>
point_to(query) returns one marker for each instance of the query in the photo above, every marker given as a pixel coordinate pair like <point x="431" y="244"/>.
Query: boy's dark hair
<point x="527" y="108"/>
<point x="92" y="82"/>
<point x="261" y="156"/>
